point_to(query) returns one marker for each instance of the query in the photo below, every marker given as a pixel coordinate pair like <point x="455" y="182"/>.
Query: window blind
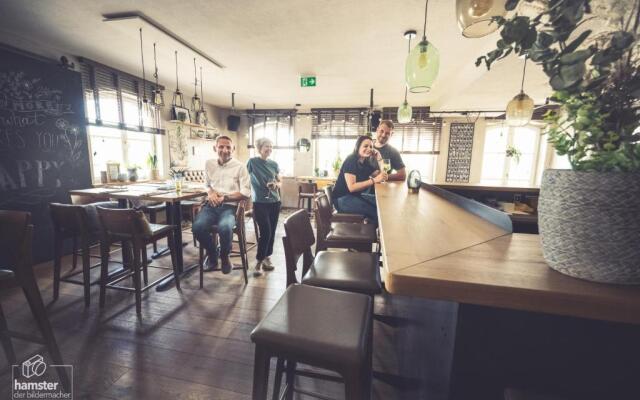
<point x="420" y="136"/>
<point x="276" y="125"/>
<point x="338" y="122"/>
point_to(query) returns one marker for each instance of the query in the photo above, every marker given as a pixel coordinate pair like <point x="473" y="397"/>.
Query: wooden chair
<point x="320" y="327"/>
<point x="306" y="191"/>
<point x="340" y="270"/>
<point x="131" y="227"/>
<point x="341" y="217"/>
<point x="357" y="236"/>
<point x="17" y="270"/>
<point x="239" y="231"/>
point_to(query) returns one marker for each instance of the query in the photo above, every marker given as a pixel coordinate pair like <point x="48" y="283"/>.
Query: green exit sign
<point x="308" y="81"/>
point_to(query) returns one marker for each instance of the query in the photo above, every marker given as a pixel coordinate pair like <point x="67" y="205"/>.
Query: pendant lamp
<point x="201" y="115"/>
<point x="423" y="63"/>
<point x="178" y="98"/>
<point x="520" y="108"/>
<point x="195" y="100"/>
<point x="405" y="111"/>
<point x="156" y="96"/>
<point x="474" y="16"/>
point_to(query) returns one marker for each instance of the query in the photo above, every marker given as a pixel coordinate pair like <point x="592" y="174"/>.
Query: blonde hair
<point x="263" y="142"/>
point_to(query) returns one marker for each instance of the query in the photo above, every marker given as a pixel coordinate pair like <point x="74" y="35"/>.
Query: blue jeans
<point x="224" y="217"/>
<point x="363" y="204"/>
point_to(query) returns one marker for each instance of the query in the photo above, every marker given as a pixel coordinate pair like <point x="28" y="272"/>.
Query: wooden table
<point x="442" y="246"/>
<point x="152" y="192"/>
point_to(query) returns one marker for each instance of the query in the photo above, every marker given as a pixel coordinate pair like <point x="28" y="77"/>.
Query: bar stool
<point x="341" y="217"/>
<point x="239" y="231"/>
<point x="74" y="222"/>
<point x="340" y="270"/>
<point x="306" y="191"/>
<point x="17" y="270"/>
<point x="357" y="236"/>
<point x="130" y="226"/>
<point x="320" y="327"/>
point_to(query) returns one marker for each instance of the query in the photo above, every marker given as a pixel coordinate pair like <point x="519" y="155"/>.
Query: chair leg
<point x="57" y="260"/>
<point x="357" y="385"/>
<point x="74" y="262"/>
<point x="174" y="264"/>
<point x="291" y="376"/>
<point x="260" y="374"/>
<point x="7" y="346"/>
<point x="86" y="272"/>
<point x="278" y="379"/>
<point x="201" y="262"/>
<point x="242" y="244"/>
<point x="32" y="293"/>
<point x="152" y="219"/>
<point x="136" y="267"/>
<point x="104" y="270"/>
<point x="145" y="264"/>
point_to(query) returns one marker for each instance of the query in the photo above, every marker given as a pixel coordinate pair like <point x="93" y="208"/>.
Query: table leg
<point x="174" y="215"/>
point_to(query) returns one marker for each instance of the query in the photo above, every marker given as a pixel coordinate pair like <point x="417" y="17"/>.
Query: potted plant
<point x="337" y="163"/>
<point x="588" y="216"/>
<point x="152" y="163"/>
<point x="514" y="153"/>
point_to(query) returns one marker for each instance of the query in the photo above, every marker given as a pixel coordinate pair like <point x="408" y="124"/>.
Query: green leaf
<point x="577" y="42"/>
<point x="511" y="5"/>
<point x="575" y="57"/>
<point x="621" y="40"/>
<point x="544" y="40"/>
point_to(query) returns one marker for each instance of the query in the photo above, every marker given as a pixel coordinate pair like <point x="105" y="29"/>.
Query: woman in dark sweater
<point x="357" y="174"/>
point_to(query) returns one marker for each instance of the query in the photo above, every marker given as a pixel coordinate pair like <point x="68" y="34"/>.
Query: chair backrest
<point x="297" y="242"/>
<point x="328" y="191"/>
<point x="16" y="235"/>
<point x="69" y="220"/>
<point x="306" y="187"/>
<point x="124" y="223"/>
<point x="196" y="175"/>
<point x="323" y="212"/>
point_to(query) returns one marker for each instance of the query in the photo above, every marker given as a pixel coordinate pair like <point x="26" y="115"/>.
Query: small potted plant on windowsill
<point x="152" y="163"/>
<point x="336" y="165"/>
<point x="588" y="216"/>
<point x="133" y="173"/>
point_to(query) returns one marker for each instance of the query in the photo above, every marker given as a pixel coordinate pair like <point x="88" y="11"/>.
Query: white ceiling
<point x="265" y="46"/>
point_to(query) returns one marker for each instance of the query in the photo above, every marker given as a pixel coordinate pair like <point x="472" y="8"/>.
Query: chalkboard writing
<point x="43" y="140"/>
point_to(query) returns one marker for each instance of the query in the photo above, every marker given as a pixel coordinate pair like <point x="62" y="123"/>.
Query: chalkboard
<point x="43" y="140"/>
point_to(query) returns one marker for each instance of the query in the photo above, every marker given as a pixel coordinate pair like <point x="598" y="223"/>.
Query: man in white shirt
<point x="227" y="182"/>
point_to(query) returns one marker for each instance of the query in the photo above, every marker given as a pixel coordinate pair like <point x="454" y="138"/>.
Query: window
<point x="276" y="125"/>
<point x="120" y="130"/>
<point x="335" y="132"/>
<point x="521" y="169"/>
<point x="418" y="141"/>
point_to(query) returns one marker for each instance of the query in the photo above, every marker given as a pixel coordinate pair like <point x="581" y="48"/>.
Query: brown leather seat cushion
<point x="343" y="270"/>
<point x="344" y="231"/>
<point x="315" y="325"/>
<point x="6" y="274"/>
<point x="158" y="229"/>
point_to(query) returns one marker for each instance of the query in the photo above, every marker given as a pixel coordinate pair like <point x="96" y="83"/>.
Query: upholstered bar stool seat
<point x="358" y="236"/>
<point x="342" y="270"/>
<point x="357" y="233"/>
<point x="341" y="217"/>
<point x="320" y="327"/>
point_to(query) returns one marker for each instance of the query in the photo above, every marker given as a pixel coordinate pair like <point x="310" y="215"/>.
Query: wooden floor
<point x="194" y="343"/>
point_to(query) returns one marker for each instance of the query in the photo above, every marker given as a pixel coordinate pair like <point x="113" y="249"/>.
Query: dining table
<point x="154" y="192"/>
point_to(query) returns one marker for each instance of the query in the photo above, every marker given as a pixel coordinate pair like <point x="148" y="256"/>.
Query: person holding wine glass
<point x="388" y="152"/>
<point x="265" y="181"/>
<point x="361" y="170"/>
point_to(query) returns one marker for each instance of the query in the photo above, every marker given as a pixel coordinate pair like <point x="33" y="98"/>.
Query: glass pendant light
<point x="195" y="100"/>
<point x="156" y="95"/>
<point x="405" y="111"/>
<point x="201" y="115"/>
<point x="520" y="108"/>
<point x="474" y="16"/>
<point x="178" y="98"/>
<point x="423" y="63"/>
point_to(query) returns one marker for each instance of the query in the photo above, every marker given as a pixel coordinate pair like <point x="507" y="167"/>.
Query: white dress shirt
<point x="228" y="178"/>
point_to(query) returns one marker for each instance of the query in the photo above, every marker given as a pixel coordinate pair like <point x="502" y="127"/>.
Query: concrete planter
<point x="589" y="224"/>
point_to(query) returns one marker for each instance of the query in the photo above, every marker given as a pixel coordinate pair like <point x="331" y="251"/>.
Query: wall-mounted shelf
<point x="192" y="125"/>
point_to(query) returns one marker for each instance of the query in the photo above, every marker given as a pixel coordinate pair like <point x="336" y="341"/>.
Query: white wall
<point x="476" y="154"/>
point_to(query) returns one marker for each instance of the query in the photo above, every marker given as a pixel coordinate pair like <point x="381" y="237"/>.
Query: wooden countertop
<point x="433" y="248"/>
<point x="487" y="188"/>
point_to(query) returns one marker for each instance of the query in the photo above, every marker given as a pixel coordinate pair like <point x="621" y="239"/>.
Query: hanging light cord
<point x="155" y="63"/>
<point x="424" y="27"/>
<point x="201" y="92"/>
<point x="524" y="70"/>
<point x="405" y="86"/>
<point x="177" y="86"/>
<point x="195" y="76"/>
<point x="142" y="56"/>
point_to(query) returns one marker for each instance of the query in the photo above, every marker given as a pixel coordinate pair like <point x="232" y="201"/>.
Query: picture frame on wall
<point x="181" y="114"/>
<point x="113" y="171"/>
